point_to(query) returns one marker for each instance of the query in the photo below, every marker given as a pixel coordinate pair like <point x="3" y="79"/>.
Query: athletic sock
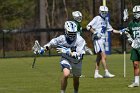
<point x="137" y="79"/>
<point x="96" y="71"/>
<point x="62" y="91"/>
<point x="106" y="71"/>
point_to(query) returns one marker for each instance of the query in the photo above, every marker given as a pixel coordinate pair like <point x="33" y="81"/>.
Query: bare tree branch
<point x="64" y="2"/>
<point x="53" y="8"/>
<point x="47" y="14"/>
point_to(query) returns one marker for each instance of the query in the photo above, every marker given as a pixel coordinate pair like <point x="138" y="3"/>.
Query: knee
<point x="136" y="66"/>
<point x="104" y="58"/>
<point x="66" y="73"/>
<point x="76" y="79"/>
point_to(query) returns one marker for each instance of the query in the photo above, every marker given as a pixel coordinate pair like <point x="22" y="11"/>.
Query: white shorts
<point x="99" y="45"/>
<point x="74" y="68"/>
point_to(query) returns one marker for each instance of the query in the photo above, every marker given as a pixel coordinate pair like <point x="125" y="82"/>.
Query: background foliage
<point x="18" y="17"/>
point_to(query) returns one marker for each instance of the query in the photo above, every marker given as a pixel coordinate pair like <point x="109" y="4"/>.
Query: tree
<point x="16" y="13"/>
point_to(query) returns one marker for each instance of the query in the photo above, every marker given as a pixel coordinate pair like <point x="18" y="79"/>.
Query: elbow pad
<point x="46" y="47"/>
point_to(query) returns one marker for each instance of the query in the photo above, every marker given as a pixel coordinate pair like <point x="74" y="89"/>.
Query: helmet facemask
<point x="78" y="19"/>
<point x="136" y="12"/>
<point x="136" y="15"/>
<point x="70" y="31"/>
<point x="77" y="15"/>
<point x="71" y="35"/>
<point x="103" y="11"/>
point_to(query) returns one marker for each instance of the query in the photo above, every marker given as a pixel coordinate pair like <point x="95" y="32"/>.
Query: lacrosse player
<point x="134" y="38"/>
<point x="77" y="16"/>
<point x="99" y="27"/>
<point x="72" y="48"/>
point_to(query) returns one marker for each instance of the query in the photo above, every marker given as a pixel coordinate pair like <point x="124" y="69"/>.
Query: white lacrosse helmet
<point x="103" y="11"/>
<point x="70" y="30"/>
<point x="77" y="15"/>
<point x="136" y="11"/>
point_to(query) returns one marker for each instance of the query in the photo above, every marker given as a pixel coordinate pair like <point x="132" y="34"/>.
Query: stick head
<point x="125" y="15"/>
<point x="36" y="47"/>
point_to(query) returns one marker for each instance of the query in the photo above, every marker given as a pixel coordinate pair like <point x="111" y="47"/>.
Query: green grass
<point x="17" y="76"/>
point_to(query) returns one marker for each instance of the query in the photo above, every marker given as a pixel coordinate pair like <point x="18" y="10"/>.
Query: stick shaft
<point x="33" y="64"/>
<point x="124" y="63"/>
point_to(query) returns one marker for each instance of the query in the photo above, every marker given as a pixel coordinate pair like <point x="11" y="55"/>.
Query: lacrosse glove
<point x="41" y="51"/>
<point x="64" y="50"/>
<point x="97" y="36"/>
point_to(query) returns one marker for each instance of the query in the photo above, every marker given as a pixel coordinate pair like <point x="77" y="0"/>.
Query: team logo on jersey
<point x="136" y="28"/>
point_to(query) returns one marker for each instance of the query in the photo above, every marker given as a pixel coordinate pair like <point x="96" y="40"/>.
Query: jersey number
<point x="136" y="34"/>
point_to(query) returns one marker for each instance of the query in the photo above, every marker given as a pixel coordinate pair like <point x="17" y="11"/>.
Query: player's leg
<point x="76" y="84"/>
<point x="97" y="49"/>
<point x="135" y="56"/>
<point x="66" y="72"/>
<point x="76" y="70"/>
<point x="136" y="71"/>
<point x="136" y="68"/>
<point x="98" y="59"/>
<point x="102" y="53"/>
<point x="136" y="75"/>
<point x="103" y="60"/>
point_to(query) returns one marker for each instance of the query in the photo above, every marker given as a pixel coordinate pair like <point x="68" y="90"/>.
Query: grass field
<point x="17" y="76"/>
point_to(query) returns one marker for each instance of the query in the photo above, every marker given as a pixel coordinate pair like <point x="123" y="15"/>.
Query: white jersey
<point x="100" y="25"/>
<point x="78" y="44"/>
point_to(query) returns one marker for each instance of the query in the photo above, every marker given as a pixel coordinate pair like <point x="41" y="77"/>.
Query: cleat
<point x="109" y="75"/>
<point x="98" y="76"/>
<point x="133" y="85"/>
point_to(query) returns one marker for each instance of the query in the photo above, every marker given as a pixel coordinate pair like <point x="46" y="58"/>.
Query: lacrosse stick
<point x="125" y="17"/>
<point x="34" y="61"/>
<point x="36" y="48"/>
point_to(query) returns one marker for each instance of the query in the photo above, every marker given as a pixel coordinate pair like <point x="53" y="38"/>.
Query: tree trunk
<point x="43" y="21"/>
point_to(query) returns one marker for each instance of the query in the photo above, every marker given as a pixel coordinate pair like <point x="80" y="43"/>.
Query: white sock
<point x="96" y="71"/>
<point x="62" y="91"/>
<point x="75" y="91"/>
<point x="137" y="79"/>
<point x="106" y="71"/>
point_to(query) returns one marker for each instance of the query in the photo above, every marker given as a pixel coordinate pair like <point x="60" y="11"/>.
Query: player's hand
<point x="41" y="51"/>
<point x="77" y="55"/>
<point x="37" y="49"/>
<point x="97" y="36"/>
<point x="136" y="44"/>
<point x="64" y="50"/>
<point x="130" y="40"/>
<point x="123" y="31"/>
<point x="74" y="54"/>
